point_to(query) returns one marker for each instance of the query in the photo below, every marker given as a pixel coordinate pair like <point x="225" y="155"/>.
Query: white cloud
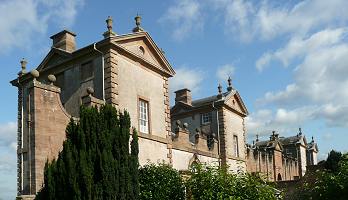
<point x="186" y="18"/>
<point x="285" y="121"/>
<point x="7" y="133"/>
<point x="22" y="21"/>
<point x="298" y="47"/>
<point x="268" y="19"/>
<point x="225" y="71"/>
<point x="8" y="163"/>
<point x="186" y="78"/>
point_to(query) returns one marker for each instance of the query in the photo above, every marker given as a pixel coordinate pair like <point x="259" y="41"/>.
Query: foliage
<point x="208" y="183"/>
<point x="159" y="182"/>
<point x="331" y="183"/>
<point x="332" y="160"/>
<point x="95" y="162"/>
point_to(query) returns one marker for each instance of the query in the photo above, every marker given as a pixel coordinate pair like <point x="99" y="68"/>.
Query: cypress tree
<point x="95" y="162"/>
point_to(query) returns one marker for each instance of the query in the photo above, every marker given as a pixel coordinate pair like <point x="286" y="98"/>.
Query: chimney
<point x="64" y="40"/>
<point x="183" y="95"/>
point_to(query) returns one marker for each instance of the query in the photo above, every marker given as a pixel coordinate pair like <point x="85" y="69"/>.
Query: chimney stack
<point x="183" y="95"/>
<point x="64" y="40"/>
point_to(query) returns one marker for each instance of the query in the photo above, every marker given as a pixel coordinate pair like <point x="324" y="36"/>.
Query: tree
<point x="331" y="182"/>
<point x="95" y="162"/>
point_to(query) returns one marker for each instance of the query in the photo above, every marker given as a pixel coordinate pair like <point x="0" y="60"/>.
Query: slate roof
<point x="209" y="100"/>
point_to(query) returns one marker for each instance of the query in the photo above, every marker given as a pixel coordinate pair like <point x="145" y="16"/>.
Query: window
<point x="143" y="116"/>
<point x="235" y="146"/>
<point x="206" y="118"/>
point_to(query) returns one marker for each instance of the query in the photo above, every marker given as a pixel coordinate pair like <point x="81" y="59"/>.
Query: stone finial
<point x="229" y="88"/>
<point x="219" y="96"/>
<point x="109" y="32"/>
<point x="23" y="66"/>
<point x="178" y="123"/>
<point x="299" y="131"/>
<point x="257" y="137"/>
<point x="137" y="23"/>
<point x="90" y="91"/>
<point x="35" y="73"/>
<point x="51" y="78"/>
<point x="312" y="139"/>
<point x="185" y="125"/>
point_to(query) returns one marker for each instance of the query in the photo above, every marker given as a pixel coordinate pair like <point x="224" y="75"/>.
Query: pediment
<point x="54" y="56"/>
<point x="235" y="102"/>
<point x="144" y="47"/>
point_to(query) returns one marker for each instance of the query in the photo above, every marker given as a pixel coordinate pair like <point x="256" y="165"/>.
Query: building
<point x="281" y="158"/>
<point x="128" y="71"/>
<point x="217" y="118"/>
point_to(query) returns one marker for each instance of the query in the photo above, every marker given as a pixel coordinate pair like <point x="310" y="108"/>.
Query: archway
<point x="279" y="177"/>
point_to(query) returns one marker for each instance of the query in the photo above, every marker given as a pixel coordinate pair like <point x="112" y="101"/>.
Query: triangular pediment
<point x="54" y="57"/>
<point x="144" y="47"/>
<point x="234" y="101"/>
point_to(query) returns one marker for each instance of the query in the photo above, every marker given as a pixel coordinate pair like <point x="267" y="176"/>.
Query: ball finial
<point x="51" y="78"/>
<point x="35" y="73"/>
<point x="90" y="91"/>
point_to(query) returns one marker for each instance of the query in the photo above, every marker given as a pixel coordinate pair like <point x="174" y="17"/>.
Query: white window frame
<point x="206" y="118"/>
<point x="235" y="146"/>
<point x="143" y="107"/>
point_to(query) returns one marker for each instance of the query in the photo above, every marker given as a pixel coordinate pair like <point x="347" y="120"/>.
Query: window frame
<point x="210" y="117"/>
<point x="235" y="146"/>
<point x="148" y="115"/>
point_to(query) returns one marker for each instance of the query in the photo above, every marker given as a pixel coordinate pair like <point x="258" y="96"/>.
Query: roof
<point x="209" y="100"/>
<point x="181" y="107"/>
<point x="291" y="140"/>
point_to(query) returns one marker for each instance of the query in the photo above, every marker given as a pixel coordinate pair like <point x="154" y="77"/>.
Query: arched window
<point x="279" y="177"/>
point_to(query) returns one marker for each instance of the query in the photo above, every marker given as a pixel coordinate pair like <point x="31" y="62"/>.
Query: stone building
<point x="128" y="71"/>
<point x="219" y="119"/>
<point x="281" y="158"/>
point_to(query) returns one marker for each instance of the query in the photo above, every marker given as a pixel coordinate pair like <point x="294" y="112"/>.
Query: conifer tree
<point x="95" y="162"/>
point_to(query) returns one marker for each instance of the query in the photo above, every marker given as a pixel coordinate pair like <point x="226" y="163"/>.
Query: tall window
<point x="206" y="118"/>
<point x="235" y="146"/>
<point x="143" y="116"/>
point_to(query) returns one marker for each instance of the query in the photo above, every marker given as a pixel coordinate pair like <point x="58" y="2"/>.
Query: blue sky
<point x="288" y="59"/>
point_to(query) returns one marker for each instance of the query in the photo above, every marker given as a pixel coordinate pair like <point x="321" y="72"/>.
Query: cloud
<point x="186" y="78"/>
<point x="298" y="47"/>
<point x="186" y="18"/>
<point x="8" y="165"/>
<point x="224" y="72"/>
<point x="266" y="20"/>
<point x="285" y="121"/>
<point x="22" y="21"/>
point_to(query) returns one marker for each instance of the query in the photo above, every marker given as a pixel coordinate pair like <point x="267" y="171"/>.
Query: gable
<point x="141" y="45"/>
<point x="54" y="56"/>
<point x="235" y="102"/>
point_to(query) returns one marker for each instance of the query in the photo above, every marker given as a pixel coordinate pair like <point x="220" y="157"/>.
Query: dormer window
<point x="206" y="118"/>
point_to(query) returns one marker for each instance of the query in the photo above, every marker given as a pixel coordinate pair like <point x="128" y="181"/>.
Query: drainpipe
<point x="218" y="130"/>
<point x="102" y="56"/>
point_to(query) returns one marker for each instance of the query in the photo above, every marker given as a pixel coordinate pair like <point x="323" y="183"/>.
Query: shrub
<point x="159" y="182"/>
<point x="214" y="183"/>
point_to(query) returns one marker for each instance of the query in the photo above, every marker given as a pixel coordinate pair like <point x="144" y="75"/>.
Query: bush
<point x="212" y="183"/>
<point x="159" y="182"/>
<point x="331" y="183"/>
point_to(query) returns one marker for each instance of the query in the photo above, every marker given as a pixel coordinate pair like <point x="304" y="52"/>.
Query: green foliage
<point x="332" y="183"/>
<point x="213" y="183"/>
<point x="95" y="162"/>
<point x="332" y="160"/>
<point x="158" y="182"/>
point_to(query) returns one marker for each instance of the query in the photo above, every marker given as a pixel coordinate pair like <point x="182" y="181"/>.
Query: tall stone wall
<point x="41" y="133"/>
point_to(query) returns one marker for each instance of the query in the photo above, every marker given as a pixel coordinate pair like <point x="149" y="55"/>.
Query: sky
<point x="287" y="59"/>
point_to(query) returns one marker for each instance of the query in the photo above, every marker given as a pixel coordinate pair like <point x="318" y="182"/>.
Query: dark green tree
<point x="95" y="162"/>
